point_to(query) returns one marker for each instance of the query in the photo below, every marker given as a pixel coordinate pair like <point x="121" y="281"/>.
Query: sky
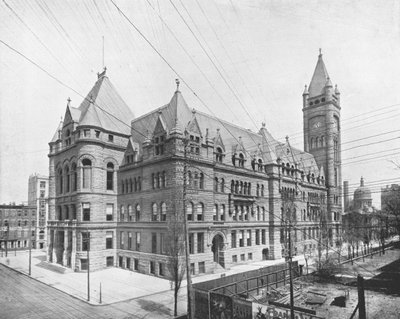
<point x="245" y="61"/>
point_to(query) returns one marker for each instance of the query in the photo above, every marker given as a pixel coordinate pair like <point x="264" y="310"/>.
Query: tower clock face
<point x="316" y="122"/>
<point x="317" y="125"/>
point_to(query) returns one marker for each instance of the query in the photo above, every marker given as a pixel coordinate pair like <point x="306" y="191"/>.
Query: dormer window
<point x="97" y="133"/>
<point x="194" y="144"/>
<point x="86" y="133"/>
<point x="241" y="160"/>
<point x="219" y="155"/>
<point x="159" y="142"/>
<point x="110" y="138"/>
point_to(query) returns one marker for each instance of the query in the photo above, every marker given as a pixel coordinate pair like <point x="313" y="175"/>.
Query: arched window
<point x="232" y="186"/>
<point x="201" y="184"/>
<point x="258" y="190"/>
<point x="153" y="180"/>
<point x="200" y="211"/>
<point x="60" y="181"/>
<point x="241" y="187"/>
<point x="163" y="212"/>
<point x="66" y="177"/>
<point x="164" y="180"/>
<point x="260" y="165"/>
<point x="222" y="185"/>
<point x="130" y="213"/>
<point x="262" y="190"/>
<point x="130" y="185"/>
<point x="154" y="210"/>
<point x="258" y="213"/>
<point x="139" y="183"/>
<point x="87" y="173"/>
<point x="216" y="184"/>
<point x="249" y="189"/>
<point x="215" y="212"/>
<point x="110" y="176"/>
<point x="122" y="187"/>
<point x="196" y="180"/>
<point x="137" y="212"/>
<point x="158" y="180"/>
<point x="189" y="211"/>
<point x="244" y="188"/>
<point x="74" y="177"/>
<point x="322" y="141"/>
<point x="263" y="213"/>
<point x="241" y="160"/>
<point x="135" y="183"/>
<point x="190" y="179"/>
<point x="311" y="143"/>
<point x="122" y="213"/>
<point x="237" y="187"/>
<point x="218" y="155"/>
<point x="222" y="212"/>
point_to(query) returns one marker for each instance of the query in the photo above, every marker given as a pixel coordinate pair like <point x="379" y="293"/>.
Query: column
<point x="73" y="251"/>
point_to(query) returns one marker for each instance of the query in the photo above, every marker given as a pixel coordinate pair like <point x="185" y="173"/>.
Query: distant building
<point x="360" y="218"/>
<point x="17" y="226"/>
<point x="38" y="193"/>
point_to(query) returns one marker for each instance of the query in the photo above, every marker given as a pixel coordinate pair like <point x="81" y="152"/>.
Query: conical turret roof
<point x="104" y="107"/>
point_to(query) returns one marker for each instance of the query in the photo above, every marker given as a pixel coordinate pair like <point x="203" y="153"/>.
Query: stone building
<point x="17" y="226"/>
<point x="239" y="185"/>
<point x="38" y="192"/>
<point x="85" y="154"/>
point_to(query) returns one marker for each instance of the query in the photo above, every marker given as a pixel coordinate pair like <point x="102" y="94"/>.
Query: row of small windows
<point x="85" y="133"/>
<point x="317" y="101"/>
<point x="67" y="180"/>
<point x="131" y="185"/>
<point x="289" y="170"/>
<point x="195" y="180"/>
<point x="158" y="180"/>
<point x="316" y="142"/>
<point x="19" y="223"/>
<point x="195" y="212"/>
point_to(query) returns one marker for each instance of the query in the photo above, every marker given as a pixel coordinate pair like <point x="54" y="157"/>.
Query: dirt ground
<point x="381" y="281"/>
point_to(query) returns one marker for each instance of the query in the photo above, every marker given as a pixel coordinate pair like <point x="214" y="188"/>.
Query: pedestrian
<point x="8" y="261"/>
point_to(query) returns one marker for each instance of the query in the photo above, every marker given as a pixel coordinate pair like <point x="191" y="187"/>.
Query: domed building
<point x="362" y="197"/>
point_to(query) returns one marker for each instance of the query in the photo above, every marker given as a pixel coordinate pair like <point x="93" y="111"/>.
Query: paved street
<point x="25" y="297"/>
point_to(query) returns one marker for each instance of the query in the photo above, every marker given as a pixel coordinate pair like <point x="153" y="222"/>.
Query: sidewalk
<point x="117" y="284"/>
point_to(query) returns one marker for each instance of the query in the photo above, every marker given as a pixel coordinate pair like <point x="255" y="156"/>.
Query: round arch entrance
<point x="217" y="249"/>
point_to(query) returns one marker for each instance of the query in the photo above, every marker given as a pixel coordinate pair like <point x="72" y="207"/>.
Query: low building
<point x="17" y="226"/>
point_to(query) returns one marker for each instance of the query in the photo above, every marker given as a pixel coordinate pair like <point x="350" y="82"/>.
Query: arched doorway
<point x="217" y="249"/>
<point x="265" y="254"/>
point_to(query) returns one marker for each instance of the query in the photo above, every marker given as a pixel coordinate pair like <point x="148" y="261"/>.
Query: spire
<point x="336" y="89"/>
<point x="305" y="90"/>
<point x="362" y="182"/>
<point x="319" y="78"/>
<point x="177" y="85"/>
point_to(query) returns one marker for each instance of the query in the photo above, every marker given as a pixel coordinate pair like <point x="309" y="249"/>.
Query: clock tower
<point x="321" y="125"/>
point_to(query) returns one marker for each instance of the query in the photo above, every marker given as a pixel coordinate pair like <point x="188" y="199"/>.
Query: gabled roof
<point x="104" y="107"/>
<point x="319" y="78"/>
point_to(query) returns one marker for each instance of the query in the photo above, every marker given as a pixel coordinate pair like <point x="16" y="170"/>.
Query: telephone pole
<point x="290" y="272"/>
<point x="30" y="242"/>
<point x="88" y="264"/>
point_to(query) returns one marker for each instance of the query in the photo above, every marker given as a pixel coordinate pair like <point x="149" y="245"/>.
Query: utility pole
<point x="188" y="275"/>
<point x="30" y="242"/>
<point x="88" y="264"/>
<point x="290" y="272"/>
<point x="361" y="298"/>
<point x="7" y="234"/>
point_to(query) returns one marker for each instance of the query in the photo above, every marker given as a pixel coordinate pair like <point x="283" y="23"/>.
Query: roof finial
<point x="287" y="138"/>
<point x="177" y="84"/>
<point x="69" y="101"/>
<point x="263" y="124"/>
<point x="320" y="52"/>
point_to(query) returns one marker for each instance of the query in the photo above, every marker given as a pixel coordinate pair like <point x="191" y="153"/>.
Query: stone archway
<point x="217" y="248"/>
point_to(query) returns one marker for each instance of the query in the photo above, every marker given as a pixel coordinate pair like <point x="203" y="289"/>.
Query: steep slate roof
<point x="177" y="113"/>
<point x="56" y="134"/>
<point x="319" y="78"/>
<point x="104" y="107"/>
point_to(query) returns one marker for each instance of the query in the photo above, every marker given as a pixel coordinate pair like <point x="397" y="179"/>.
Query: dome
<point x="362" y="193"/>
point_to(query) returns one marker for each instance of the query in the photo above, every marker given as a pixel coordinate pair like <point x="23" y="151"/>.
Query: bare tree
<point x="176" y="255"/>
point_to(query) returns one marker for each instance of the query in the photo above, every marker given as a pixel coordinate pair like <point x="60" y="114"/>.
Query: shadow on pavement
<point x="154" y="307"/>
<point x="52" y="267"/>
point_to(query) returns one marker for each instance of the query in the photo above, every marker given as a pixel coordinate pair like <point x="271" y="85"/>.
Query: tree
<point x="391" y="208"/>
<point x="176" y="255"/>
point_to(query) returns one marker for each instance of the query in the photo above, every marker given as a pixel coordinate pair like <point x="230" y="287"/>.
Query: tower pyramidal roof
<point x="319" y="78"/>
<point x="104" y="107"/>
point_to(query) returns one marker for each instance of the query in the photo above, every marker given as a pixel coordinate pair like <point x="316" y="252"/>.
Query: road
<point x="23" y="297"/>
